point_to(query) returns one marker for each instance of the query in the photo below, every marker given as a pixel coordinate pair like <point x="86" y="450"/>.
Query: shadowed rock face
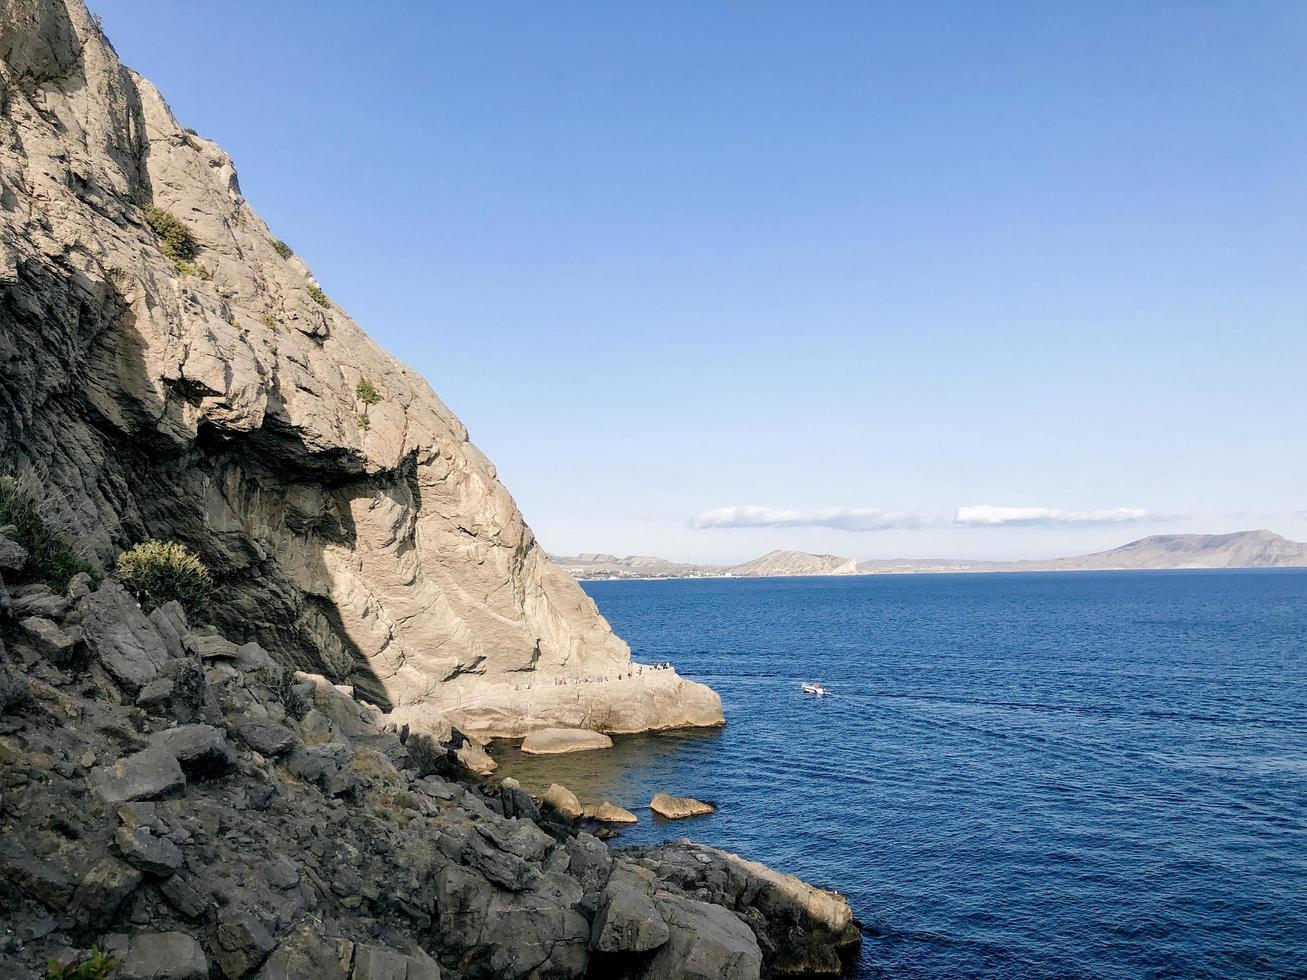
<point x="219" y="408"/>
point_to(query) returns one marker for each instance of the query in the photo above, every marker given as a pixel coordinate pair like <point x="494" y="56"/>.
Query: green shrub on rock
<point x="175" y="239"/>
<point x="99" y="966"/>
<point x="281" y="248"/>
<point x="319" y="297"/>
<point x="160" y="571"/>
<point x="367" y="393"/>
<point x="281" y="683"/>
<point x="28" y="505"/>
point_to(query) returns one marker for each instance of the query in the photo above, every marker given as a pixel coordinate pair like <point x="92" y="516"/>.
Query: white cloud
<point x="985" y="515"/>
<point x="840" y="518"/>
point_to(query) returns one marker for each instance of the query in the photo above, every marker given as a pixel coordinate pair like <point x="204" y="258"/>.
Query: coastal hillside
<point x="590" y="565"/>
<point x="1242" y="549"/>
<point x="795" y="563"/>
<point x="170" y="369"/>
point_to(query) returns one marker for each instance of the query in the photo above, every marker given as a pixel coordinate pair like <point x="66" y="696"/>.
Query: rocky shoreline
<point x="163" y="796"/>
<point x="295" y="789"/>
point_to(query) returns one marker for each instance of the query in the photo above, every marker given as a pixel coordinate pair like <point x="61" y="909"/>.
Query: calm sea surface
<point x="1085" y="774"/>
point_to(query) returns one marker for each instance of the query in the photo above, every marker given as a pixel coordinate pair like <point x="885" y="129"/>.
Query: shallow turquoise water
<point x="1086" y="774"/>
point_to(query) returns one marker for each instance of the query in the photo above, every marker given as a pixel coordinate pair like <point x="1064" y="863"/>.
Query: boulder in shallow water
<point x="473" y="757"/>
<point x="678" y="807"/>
<point x="554" y="741"/>
<point x="562" y="800"/>
<point x="607" y="812"/>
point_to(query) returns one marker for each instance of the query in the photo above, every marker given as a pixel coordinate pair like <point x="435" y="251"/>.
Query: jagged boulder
<point x="157" y="956"/>
<point x="562" y="800"/>
<point x="126" y="642"/>
<point x="678" y="807"/>
<point x="144" y="775"/>
<point x="705" y="942"/>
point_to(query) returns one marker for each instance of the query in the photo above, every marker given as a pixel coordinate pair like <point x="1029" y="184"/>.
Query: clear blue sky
<point x="834" y="260"/>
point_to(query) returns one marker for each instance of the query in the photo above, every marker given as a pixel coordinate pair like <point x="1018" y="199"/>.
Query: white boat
<point x="816" y="689"/>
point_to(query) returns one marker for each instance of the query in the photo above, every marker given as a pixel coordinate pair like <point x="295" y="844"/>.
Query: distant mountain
<point x="1242" y="549"/>
<point x="778" y="563"/>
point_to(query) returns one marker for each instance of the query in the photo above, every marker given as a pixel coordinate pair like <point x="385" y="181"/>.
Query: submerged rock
<point x="555" y="741"/>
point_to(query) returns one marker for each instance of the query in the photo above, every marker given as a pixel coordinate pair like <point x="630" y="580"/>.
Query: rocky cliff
<point x="176" y="800"/>
<point x="169" y="369"/>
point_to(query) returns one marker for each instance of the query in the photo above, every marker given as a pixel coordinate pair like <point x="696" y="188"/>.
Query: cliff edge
<point x="168" y="368"/>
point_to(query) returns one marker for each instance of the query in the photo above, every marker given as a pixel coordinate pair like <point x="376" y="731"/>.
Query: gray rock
<point x="80" y="585"/>
<point x="212" y="647"/>
<point x="156" y="694"/>
<point x="376" y="963"/>
<point x="251" y="657"/>
<point x="12" y="555"/>
<point x="202" y="750"/>
<point x="189" y="698"/>
<point x="516" y="801"/>
<point x="145" y="775"/>
<point x="243" y="942"/>
<point x="41" y="602"/>
<point x="183" y="896"/>
<point x="706" y="942"/>
<point x="117" y="632"/>
<point x="590" y="861"/>
<point x="264" y="736"/>
<point x="170" y="620"/>
<point x="155" y="855"/>
<point x="157" y="956"/>
<point x="102" y="892"/>
<point x="627" y="921"/>
<point x="45" y="877"/>
<point x="304" y="955"/>
<point x="58" y="645"/>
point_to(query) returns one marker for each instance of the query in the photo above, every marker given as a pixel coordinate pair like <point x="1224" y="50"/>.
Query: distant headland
<point x="1242" y="549"/>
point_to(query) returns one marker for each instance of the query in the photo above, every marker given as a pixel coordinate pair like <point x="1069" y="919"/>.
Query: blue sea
<point x="1096" y="774"/>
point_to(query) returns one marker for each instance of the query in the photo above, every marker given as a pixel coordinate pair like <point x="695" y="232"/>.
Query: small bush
<point x="269" y="322"/>
<point x="98" y="966"/>
<point x="367" y="393"/>
<point x="160" y="571"/>
<point x="175" y="239"/>
<point x="32" y="508"/>
<point x="190" y="132"/>
<point x="192" y="269"/>
<point x="281" y="248"/>
<point x="319" y="297"/>
<point x="282" y="685"/>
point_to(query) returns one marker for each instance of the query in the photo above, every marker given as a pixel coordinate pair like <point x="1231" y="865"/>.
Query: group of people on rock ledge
<point x="636" y="671"/>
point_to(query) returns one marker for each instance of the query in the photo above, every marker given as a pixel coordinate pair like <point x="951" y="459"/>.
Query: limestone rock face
<point x="214" y="401"/>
